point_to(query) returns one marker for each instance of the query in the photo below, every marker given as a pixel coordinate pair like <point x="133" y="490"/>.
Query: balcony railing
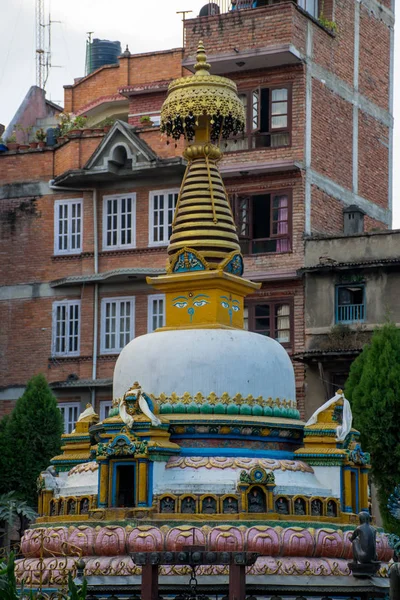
<point x="350" y="313"/>
<point x="218" y="7"/>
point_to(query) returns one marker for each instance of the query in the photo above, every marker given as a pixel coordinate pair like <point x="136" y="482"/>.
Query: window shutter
<point x="255" y="109"/>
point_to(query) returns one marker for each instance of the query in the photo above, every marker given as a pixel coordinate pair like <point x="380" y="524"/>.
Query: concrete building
<point x="84" y="222"/>
<point x="352" y="285"/>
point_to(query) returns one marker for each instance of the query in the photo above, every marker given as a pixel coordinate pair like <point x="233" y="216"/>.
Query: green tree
<point x="15" y="512"/>
<point x="33" y="436"/>
<point x="373" y="389"/>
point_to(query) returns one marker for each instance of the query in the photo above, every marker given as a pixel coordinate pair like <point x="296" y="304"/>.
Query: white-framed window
<point x="119" y="216"/>
<point x="66" y="328"/>
<point x="105" y="407"/>
<point x="68" y="226"/>
<point x="155" y="312"/>
<point x="311" y="6"/>
<point x="117" y="323"/>
<point x="70" y="414"/>
<point x="162" y="205"/>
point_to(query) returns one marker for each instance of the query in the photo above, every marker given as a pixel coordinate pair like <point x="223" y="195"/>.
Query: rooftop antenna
<point x="43" y="49"/>
<point x="184" y="13"/>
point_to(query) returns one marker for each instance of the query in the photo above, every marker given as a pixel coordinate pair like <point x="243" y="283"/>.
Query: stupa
<point x="204" y="445"/>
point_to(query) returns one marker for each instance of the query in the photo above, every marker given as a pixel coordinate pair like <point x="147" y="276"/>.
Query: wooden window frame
<point x="119" y="245"/>
<point x="272" y="303"/>
<point x="166" y="225"/>
<point x="69" y="250"/>
<point x="251" y="132"/>
<point x="103" y="406"/>
<point x="150" y="314"/>
<point x="339" y="321"/>
<point x="116" y="349"/>
<point x="66" y="406"/>
<point x="237" y="198"/>
<point x="67" y="304"/>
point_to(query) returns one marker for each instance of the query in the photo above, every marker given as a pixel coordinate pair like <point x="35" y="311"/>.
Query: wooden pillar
<point x="237" y="582"/>
<point x="270" y="497"/>
<point x="103" y="491"/>
<point x="149" y="588"/>
<point x="347" y="495"/>
<point x="363" y="489"/>
<point x="142" y="483"/>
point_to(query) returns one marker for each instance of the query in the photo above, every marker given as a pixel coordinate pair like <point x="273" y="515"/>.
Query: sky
<point x="145" y="25"/>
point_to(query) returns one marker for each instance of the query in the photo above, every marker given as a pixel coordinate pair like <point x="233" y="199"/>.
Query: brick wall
<point x="332" y="135"/>
<point x="373" y="155"/>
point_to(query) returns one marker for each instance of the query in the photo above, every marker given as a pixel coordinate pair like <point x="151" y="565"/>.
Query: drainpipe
<point x="62" y="188"/>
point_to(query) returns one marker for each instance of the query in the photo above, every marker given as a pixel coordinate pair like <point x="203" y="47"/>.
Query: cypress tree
<point x="33" y="432"/>
<point x="373" y="389"/>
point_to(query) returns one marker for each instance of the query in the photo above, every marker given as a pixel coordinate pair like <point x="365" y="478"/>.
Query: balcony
<point x="350" y="313"/>
<point x="246" y="38"/>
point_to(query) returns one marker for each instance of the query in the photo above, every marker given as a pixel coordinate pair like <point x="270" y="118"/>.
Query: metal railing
<point x="216" y="7"/>
<point x="350" y="313"/>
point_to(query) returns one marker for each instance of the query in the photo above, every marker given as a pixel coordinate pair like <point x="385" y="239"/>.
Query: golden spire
<point x="203" y="286"/>
<point x="203" y="108"/>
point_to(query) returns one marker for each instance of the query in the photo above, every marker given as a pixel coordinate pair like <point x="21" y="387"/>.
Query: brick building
<point x="84" y="222"/>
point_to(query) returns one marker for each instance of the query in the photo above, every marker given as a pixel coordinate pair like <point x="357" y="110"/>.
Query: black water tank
<point x="103" y="52"/>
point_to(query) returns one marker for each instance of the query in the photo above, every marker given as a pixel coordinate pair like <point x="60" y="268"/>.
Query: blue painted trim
<point x="241" y="452"/>
<point x="364" y="304"/>
<point x="150" y="483"/>
<point x="257" y="438"/>
<point x="114" y="466"/>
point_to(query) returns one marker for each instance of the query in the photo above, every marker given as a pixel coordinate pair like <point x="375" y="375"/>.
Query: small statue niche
<point x="299" y="506"/>
<point x="282" y="506"/>
<point x="167" y="505"/>
<point x="53" y="510"/>
<point x="188" y="505"/>
<point x="230" y="505"/>
<point x="331" y="509"/>
<point x="256" y="501"/>
<point x="316" y="508"/>
<point x="209" y="506"/>
<point x="84" y="506"/>
<point x="71" y="507"/>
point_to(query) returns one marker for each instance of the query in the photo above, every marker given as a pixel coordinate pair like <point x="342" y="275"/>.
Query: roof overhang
<point x="365" y="264"/>
<point x="257" y="168"/>
<point x="158" y="169"/>
<point x="81" y="383"/>
<point x="256" y="58"/>
<point x="319" y="356"/>
<point x="114" y="276"/>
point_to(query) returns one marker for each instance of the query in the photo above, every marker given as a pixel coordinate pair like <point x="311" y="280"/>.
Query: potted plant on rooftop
<point x="41" y="137"/>
<point x="146" y="121"/>
<point x="64" y="126"/>
<point x="107" y="124"/>
<point x="77" y="125"/>
<point x="11" y="141"/>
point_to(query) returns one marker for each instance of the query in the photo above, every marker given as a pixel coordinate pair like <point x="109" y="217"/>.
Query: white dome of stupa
<point x="231" y="361"/>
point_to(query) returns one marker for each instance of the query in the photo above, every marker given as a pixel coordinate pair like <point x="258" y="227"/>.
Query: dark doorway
<point x="126" y="485"/>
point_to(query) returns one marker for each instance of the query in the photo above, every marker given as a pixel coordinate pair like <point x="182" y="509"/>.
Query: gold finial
<point x="339" y="392"/>
<point x="202" y="67"/>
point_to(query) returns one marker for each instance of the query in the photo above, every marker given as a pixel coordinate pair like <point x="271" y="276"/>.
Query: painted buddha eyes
<point x="180" y="304"/>
<point x="200" y="303"/>
<point x="234" y="307"/>
<point x="183" y="301"/>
